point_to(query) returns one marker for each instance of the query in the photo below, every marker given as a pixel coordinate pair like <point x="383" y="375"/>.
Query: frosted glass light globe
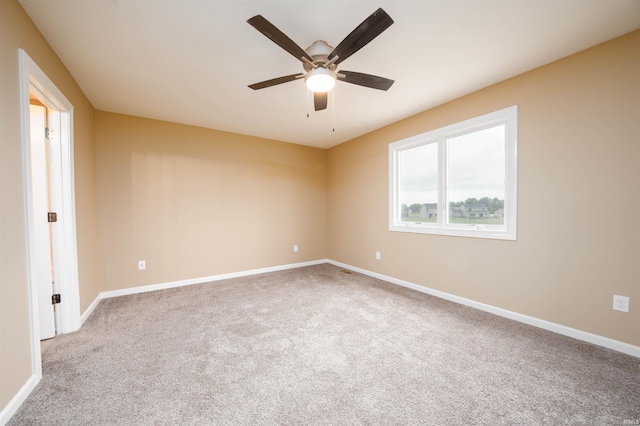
<point x="320" y="80"/>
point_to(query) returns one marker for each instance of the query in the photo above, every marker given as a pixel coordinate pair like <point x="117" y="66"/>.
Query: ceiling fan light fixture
<point x="320" y="80"/>
<point x="320" y="61"/>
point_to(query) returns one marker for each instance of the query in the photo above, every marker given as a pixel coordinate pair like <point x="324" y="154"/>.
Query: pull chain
<point x="333" y="110"/>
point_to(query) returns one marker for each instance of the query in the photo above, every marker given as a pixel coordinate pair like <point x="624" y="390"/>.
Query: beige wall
<point x="578" y="198"/>
<point x="17" y="31"/>
<point x="193" y="202"/>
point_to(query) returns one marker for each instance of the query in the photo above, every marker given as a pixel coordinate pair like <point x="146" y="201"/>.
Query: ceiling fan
<point x="320" y="61"/>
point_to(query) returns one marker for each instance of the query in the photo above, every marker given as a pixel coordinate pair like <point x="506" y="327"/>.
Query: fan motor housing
<point x="319" y="51"/>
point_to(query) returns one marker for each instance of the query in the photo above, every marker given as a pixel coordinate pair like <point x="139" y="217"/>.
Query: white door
<point x="42" y="233"/>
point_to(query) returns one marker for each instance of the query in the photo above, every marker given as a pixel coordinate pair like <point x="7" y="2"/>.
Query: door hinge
<point x="52" y="217"/>
<point x="49" y="134"/>
<point x="55" y="299"/>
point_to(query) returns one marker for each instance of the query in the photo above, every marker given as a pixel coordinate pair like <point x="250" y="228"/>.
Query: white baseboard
<point x="10" y="409"/>
<point x="87" y="313"/>
<point x="595" y="339"/>
<point x="192" y="281"/>
<point x="584" y="336"/>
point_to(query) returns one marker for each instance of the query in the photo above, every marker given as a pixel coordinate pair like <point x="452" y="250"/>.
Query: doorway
<point x="61" y="255"/>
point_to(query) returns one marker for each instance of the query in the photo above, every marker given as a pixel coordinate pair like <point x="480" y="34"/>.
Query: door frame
<point x="34" y="80"/>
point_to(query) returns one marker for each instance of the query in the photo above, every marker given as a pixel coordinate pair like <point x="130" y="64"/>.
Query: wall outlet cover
<point x="620" y="303"/>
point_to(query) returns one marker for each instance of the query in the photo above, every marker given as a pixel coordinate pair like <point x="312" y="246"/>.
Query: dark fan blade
<point x="275" y="81"/>
<point x="320" y="100"/>
<point x="366" y="80"/>
<point x="369" y="29"/>
<point x="278" y="37"/>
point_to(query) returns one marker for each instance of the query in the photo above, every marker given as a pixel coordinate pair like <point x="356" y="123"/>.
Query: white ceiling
<point x="190" y="61"/>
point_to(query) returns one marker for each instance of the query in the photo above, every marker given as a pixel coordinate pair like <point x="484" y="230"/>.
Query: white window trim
<point x="508" y="116"/>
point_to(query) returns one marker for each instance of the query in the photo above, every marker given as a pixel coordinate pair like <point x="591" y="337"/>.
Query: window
<point x="457" y="180"/>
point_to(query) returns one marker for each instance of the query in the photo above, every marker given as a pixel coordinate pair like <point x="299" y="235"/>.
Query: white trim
<point x="25" y="70"/>
<point x="201" y="280"/>
<point x="536" y="322"/>
<point x="87" y="313"/>
<point x="18" y="399"/>
<point x="33" y="79"/>
<point x="67" y="279"/>
<point x="584" y="336"/>
<point x="507" y="117"/>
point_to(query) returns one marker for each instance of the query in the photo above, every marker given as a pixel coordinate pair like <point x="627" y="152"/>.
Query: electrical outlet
<point x="378" y="255"/>
<point x="620" y="303"/>
<point x="142" y="265"/>
<point x="295" y="248"/>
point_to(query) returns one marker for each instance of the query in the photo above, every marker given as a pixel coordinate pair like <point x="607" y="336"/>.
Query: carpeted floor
<point x="316" y="345"/>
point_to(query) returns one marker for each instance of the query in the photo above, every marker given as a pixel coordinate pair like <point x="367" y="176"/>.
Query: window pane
<point x="418" y="183"/>
<point x="476" y="177"/>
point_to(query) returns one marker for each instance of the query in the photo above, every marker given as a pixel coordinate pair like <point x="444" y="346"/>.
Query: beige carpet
<point x="316" y="345"/>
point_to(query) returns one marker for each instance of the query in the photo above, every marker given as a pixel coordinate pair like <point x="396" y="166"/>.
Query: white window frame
<point x="508" y="231"/>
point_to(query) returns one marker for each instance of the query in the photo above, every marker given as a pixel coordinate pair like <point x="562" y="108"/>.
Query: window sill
<point x="478" y="231"/>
